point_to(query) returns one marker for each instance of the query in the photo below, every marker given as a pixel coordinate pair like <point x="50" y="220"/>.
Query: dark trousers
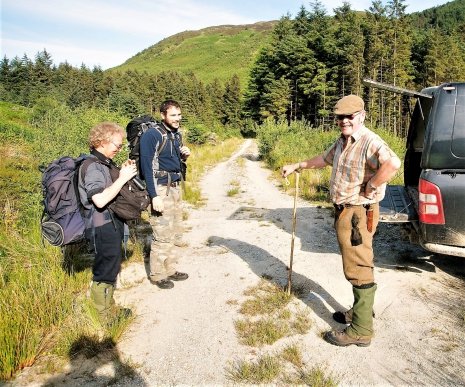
<point x="106" y="247"/>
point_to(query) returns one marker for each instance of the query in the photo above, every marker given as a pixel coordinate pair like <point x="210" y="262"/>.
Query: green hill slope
<point x="448" y="17"/>
<point x="213" y="52"/>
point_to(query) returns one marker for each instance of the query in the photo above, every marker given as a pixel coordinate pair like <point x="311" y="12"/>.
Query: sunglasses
<point x="340" y="117"/>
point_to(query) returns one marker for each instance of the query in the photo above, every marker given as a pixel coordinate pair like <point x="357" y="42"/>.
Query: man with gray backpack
<point x="162" y="167"/>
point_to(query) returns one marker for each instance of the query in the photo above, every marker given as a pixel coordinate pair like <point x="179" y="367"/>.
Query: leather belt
<point x="340" y="207"/>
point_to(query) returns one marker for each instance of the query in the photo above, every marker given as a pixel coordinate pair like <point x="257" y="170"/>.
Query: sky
<point x="106" y="33"/>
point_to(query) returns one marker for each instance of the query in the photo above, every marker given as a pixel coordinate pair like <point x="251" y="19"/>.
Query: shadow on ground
<point x="267" y="266"/>
<point x="393" y="251"/>
<point x="315" y="230"/>
<point x="96" y="363"/>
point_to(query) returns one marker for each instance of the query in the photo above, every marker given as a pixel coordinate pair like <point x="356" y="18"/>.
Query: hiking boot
<point x="345" y="317"/>
<point x="178" y="276"/>
<point x="164" y="284"/>
<point x="101" y="295"/>
<point x="342" y="339"/>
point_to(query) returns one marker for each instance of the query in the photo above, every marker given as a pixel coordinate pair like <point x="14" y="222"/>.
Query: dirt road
<point x="186" y="335"/>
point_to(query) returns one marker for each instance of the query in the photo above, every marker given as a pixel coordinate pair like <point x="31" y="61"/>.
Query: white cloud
<point x="76" y="30"/>
<point x="61" y="53"/>
<point x="135" y="17"/>
<point x="108" y="32"/>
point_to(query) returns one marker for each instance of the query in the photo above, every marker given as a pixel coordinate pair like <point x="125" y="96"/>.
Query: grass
<point x="270" y="317"/>
<point x="215" y="52"/>
<point x="315" y="376"/>
<point x="263" y="370"/>
<point x="43" y="306"/>
<point x="201" y="158"/>
<point x="235" y="188"/>
<point x="280" y="144"/>
<point x="232" y="192"/>
<point x="292" y="354"/>
<point x="261" y="332"/>
<point x="267" y="298"/>
<point x="103" y="351"/>
<point x="273" y="368"/>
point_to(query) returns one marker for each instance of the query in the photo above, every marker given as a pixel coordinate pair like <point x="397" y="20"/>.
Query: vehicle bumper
<point x="444" y="249"/>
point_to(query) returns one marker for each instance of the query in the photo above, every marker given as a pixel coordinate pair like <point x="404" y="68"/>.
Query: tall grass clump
<point x="263" y="370"/>
<point x="268" y="316"/>
<point x="271" y="315"/>
<point x="43" y="306"/>
<point x="38" y="298"/>
<point x="281" y="144"/>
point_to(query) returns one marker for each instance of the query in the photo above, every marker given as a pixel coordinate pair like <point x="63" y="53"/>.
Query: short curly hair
<point x="103" y="132"/>
<point x="165" y="105"/>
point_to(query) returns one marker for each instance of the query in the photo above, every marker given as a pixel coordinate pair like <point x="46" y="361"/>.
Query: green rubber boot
<point x="101" y="294"/>
<point x="362" y="319"/>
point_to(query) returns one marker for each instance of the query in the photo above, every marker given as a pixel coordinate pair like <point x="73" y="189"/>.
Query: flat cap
<point x="349" y="104"/>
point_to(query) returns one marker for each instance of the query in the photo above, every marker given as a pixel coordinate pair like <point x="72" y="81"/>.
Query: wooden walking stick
<point x="294" y="221"/>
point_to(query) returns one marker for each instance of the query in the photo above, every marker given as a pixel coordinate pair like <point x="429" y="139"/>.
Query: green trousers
<point x="362" y="319"/>
<point x="101" y="294"/>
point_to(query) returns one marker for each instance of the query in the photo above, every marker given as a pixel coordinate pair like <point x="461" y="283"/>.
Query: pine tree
<point x="232" y="102"/>
<point x="276" y="99"/>
<point x="215" y="92"/>
<point x="5" y="79"/>
<point x="376" y="54"/>
<point x="399" y="64"/>
<point x="444" y="59"/>
<point x="349" y="48"/>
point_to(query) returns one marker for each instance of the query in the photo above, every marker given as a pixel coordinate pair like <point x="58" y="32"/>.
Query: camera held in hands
<point x="139" y="182"/>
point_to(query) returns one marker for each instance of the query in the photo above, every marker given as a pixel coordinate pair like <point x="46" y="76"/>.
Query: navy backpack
<point x="62" y="220"/>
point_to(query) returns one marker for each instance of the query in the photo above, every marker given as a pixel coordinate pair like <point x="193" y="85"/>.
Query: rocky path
<point x="186" y="335"/>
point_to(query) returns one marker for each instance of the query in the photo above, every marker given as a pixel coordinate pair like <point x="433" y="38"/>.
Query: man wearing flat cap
<point x="362" y="165"/>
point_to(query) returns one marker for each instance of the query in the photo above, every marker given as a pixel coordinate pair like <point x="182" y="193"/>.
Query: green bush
<point x="249" y="128"/>
<point x="281" y="144"/>
<point x="197" y="134"/>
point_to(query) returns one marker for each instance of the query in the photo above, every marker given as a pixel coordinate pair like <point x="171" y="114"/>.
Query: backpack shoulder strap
<point x="164" y="136"/>
<point x="85" y="164"/>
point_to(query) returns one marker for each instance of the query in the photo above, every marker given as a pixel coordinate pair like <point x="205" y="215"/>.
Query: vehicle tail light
<point x="430" y="209"/>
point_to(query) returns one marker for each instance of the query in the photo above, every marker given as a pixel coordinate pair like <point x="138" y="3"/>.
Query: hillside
<point x="221" y="51"/>
<point x="448" y="17"/>
<point x="213" y="52"/>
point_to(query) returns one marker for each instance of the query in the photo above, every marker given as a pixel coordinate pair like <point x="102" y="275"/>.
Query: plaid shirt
<point x="354" y="165"/>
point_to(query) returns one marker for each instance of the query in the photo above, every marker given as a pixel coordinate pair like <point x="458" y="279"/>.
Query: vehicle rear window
<point x="445" y="135"/>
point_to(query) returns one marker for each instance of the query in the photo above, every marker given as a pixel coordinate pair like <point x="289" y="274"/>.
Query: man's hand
<point x="157" y="204"/>
<point x="288" y="169"/>
<point x="370" y="191"/>
<point x="185" y="152"/>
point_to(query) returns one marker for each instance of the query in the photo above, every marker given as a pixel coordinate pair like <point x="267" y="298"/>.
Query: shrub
<point x="281" y="144"/>
<point x="197" y="134"/>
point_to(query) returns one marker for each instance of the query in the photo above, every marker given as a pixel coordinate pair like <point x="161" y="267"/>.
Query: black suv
<point x="432" y="200"/>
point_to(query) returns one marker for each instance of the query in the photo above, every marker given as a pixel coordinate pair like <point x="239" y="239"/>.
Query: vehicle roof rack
<point x="399" y="90"/>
